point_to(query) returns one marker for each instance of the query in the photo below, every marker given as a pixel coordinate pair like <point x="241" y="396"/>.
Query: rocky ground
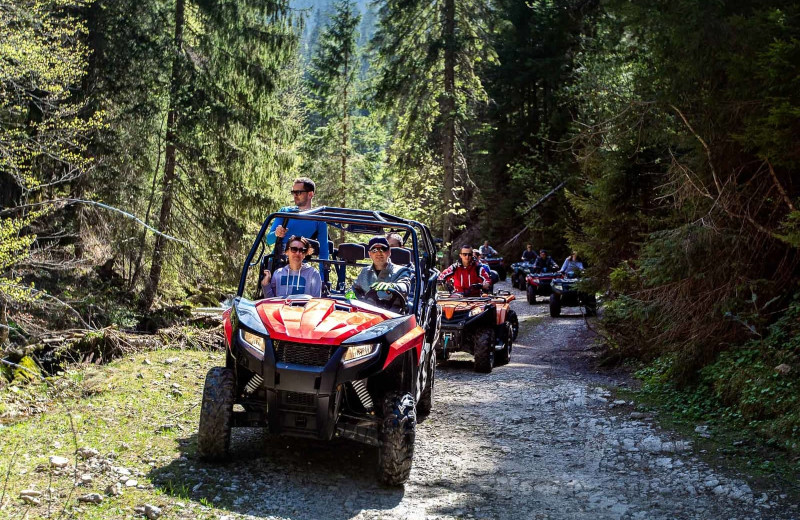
<point x="539" y="438"/>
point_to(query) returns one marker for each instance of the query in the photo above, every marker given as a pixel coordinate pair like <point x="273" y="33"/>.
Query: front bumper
<point x="304" y="386"/>
<point x="456" y="330"/>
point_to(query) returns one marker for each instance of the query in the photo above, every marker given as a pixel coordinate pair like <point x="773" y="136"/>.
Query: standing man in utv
<point x="383" y="276"/>
<point x="544" y="262"/>
<point x="303" y="193"/>
<point x="466" y="272"/>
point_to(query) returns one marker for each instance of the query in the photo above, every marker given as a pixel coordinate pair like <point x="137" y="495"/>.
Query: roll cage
<point x="360" y="222"/>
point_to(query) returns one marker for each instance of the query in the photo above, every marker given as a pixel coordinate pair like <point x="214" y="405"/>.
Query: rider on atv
<point x="383" y="283"/>
<point x="544" y="261"/>
<point x="466" y="273"/>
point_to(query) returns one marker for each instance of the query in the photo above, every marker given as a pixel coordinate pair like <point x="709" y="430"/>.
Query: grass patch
<point x="140" y="413"/>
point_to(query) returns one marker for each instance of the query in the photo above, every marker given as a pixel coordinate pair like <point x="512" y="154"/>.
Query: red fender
<point x="226" y="322"/>
<point x="411" y="339"/>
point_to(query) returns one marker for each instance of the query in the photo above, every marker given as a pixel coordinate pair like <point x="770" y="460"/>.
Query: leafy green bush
<point x="755" y="386"/>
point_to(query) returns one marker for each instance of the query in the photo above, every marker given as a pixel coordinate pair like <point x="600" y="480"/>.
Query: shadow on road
<point x="285" y="476"/>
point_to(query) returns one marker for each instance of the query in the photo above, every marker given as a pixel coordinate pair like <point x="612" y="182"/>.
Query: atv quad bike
<point x="519" y="273"/>
<point x="540" y="284"/>
<point x="481" y="325"/>
<point x="332" y="366"/>
<point x="566" y="294"/>
<point x="495" y="263"/>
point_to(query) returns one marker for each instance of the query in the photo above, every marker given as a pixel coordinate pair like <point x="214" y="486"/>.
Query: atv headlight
<point x="475" y="311"/>
<point x="359" y="351"/>
<point x="254" y="340"/>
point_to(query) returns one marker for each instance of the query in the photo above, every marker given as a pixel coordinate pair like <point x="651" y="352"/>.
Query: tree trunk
<point x="169" y="179"/>
<point x="3" y="321"/>
<point x="345" y="124"/>
<point x="448" y="104"/>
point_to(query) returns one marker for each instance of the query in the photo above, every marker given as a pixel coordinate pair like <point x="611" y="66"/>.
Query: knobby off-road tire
<point x="398" y="431"/>
<point x="425" y="403"/>
<point x="591" y="305"/>
<point x="483" y="348"/>
<point x="502" y="273"/>
<point x="555" y="305"/>
<point x="511" y="316"/>
<point x="531" y="292"/>
<point x="512" y="330"/>
<point x="214" y="432"/>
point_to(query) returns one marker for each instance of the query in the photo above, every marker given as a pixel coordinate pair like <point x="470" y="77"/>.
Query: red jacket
<point x="463" y="277"/>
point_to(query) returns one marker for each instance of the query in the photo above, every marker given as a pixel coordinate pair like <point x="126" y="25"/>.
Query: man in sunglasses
<point x="383" y="276"/>
<point x="303" y="193"/>
<point x="466" y="272"/>
<point x="295" y="278"/>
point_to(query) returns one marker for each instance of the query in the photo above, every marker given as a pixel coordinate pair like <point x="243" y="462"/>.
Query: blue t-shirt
<point x="303" y="228"/>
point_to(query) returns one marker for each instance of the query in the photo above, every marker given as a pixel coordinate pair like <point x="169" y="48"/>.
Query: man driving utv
<point x="466" y="273"/>
<point x="382" y="276"/>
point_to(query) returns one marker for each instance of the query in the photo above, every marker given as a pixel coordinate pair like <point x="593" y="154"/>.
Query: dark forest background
<point x="143" y="142"/>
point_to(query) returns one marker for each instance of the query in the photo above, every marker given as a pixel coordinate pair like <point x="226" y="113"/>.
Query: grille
<point x="297" y="401"/>
<point x="303" y="354"/>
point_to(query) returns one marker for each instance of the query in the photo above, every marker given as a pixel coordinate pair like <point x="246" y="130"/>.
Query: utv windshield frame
<point x="359" y="221"/>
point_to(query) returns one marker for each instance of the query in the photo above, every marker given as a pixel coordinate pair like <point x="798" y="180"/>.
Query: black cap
<point x="378" y="240"/>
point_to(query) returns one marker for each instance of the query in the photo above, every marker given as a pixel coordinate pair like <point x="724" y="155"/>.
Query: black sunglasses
<point x="298" y="249"/>
<point x="298" y="192"/>
<point x="378" y="249"/>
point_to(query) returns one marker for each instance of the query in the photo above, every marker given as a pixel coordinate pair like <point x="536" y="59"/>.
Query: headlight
<point x="358" y="351"/>
<point x="475" y="311"/>
<point x="254" y="340"/>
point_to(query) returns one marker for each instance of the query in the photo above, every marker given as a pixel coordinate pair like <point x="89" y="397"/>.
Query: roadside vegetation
<point x="121" y="432"/>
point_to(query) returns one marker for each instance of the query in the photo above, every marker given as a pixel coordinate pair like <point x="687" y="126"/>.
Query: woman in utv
<point x="572" y="263"/>
<point x="295" y="278"/>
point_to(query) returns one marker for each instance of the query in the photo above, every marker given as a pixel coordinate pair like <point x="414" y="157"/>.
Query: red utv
<point x="330" y="366"/>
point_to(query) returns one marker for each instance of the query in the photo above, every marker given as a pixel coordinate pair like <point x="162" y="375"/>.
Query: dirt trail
<point x="538" y="438"/>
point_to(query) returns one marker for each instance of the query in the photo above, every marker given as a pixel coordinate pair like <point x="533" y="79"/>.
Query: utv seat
<point x="351" y="253"/>
<point x="400" y="256"/>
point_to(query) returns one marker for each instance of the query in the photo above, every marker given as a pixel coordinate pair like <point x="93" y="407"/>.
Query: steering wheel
<point x="396" y="298"/>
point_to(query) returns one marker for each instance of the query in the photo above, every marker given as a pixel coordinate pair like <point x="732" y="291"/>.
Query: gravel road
<point x="539" y="438"/>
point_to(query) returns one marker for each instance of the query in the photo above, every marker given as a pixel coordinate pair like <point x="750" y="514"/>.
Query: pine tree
<point x="333" y="78"/>
<point x="428" y="51"/>
<point x="230" y="57"/>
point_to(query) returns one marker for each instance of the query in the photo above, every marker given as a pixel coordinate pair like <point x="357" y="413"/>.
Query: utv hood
<point x="318" y="320"/>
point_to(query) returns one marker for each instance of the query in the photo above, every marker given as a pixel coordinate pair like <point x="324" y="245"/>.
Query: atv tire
<point x="511" y="316"/>
<point x="483" y="349"/>
<point x="591" y="306"/>
<point x="425" y="403"/>
<point x="216" y="412"/>
<point x="501" y="272"/>
<point x="503" y="356"/>
<point x="555" y="305"/>
<point x="531" y="292"/>
<point x="398" y="431"/>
